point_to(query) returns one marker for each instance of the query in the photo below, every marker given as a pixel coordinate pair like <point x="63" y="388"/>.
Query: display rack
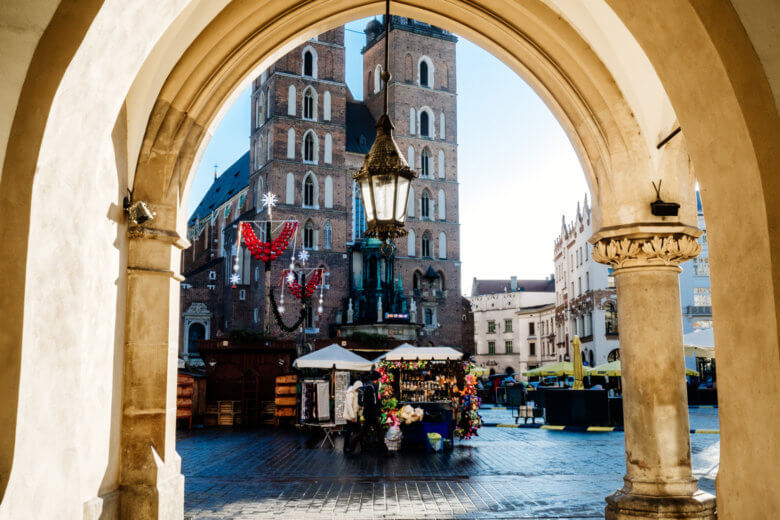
<point x="286" y="399"/>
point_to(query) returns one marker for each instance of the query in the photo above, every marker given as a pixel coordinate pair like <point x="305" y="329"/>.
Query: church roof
<point x="232" y="180"/>
<point x="480" y="287"/>
<point x="360" y="128"/>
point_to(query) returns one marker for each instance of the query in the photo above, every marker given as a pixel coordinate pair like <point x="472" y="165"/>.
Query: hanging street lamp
<point x="385" y="177"/>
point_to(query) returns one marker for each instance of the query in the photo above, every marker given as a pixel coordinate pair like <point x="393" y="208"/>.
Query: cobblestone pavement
<point x="503" y="473"/>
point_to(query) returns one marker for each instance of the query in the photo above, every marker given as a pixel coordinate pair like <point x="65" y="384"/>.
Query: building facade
<point x="585" y="296"/>
<point x="695" y="292"/>
<point x="513" y="323"/>
<point x="308" y="136"/>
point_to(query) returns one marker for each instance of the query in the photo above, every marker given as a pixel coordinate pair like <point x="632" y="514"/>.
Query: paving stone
<point x="502" y="473"/>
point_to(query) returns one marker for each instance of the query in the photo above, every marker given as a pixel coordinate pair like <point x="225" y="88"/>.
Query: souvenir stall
<point x="322" y="395"/>
<point x="428" y="395"/>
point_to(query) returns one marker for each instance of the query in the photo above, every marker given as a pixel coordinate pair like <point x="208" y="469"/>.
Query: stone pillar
<point x="151" y="483"/>
<point x="658" y="483"/>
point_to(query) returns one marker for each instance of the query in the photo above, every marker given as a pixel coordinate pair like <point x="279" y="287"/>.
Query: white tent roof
<point x="332" y="355"/>
<point x="411" y="353"/>
<point x="699" y="338"/>
<point x="402" y="345"/>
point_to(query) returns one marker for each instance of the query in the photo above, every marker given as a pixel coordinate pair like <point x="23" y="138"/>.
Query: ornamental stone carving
<point x="669" y="250"/>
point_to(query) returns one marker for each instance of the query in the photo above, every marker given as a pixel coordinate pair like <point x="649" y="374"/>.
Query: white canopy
<point x="700" y="343"/>
<point x="411" y="353"/>
<point x="327" y="357"/>
<point x="401" y="346"/>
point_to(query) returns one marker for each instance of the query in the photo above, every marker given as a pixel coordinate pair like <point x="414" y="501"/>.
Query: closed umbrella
<point x="612" y="369"/>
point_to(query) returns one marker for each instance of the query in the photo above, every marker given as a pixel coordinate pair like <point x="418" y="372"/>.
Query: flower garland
<point x="389" y="415"/>
<point x="467" y="403"/>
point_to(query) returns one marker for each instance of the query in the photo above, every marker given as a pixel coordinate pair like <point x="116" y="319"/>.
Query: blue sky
<point x="517" y="169"/>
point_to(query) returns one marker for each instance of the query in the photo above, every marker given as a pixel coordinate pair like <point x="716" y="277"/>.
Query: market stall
<point x="323" y="390"/>
<point x="428" y="395"/>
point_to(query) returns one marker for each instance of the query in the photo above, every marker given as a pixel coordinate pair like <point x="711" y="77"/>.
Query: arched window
<point x="308" y="236"/>
<point x="423" y="74"/>
<point x="309" y="62"/>
<point x="328" y="149"/>
<point x="417" y="281"/>
<point x="326" y="106"/>
<point x="328" y="191"/>
<point x="412" y="121"/>
<point x="425" y="245"/>
<point x="410" y="203"/>
<point x="259" y="194"/>
<point x="425" y="125"/>
<point x="442" y="206"/>
<point x="327" y="236"/>
<point x="410" y="244"/>
<point x="425" y="161"/>
<point x="291" y="100"/>
<point x="269" y="148"/>
<point x="290" y="189"/>
<point x="425" y="205"/>
<point x="311" y="192"/>
<point x="370" y="81"/>
<point x="441" y="126"/>
<point x="310" y="147"/>
<point x="440" y="281"/>
<point x="310" y="104"/>
<point x="442" y="170"/>
<point x="197" y="331"/>
<point x="610" y="318"/>
<point x="259" y="109"/>
<point x="410" y="156"/>
<point x="377" y="79"/>
<point x="442" y="245"/>
<point x="291" y="143"/>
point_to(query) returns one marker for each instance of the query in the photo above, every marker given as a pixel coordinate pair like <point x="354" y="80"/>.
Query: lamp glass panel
<point x="365" y="192"/>
<point x="384" y="191"/>
<point x="401" y="201"/>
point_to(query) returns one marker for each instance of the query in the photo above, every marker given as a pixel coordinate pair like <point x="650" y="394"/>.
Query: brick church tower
<point x="308" y="137"/>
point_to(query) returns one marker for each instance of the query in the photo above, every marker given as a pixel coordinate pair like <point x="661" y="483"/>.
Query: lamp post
<point x="385" y="177"/>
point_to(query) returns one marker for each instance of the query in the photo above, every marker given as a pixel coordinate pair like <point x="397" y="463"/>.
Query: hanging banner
<point x="340" y="385"/>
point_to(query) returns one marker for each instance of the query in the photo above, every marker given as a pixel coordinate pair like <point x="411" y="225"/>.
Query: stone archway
<point x="732" y="122"/>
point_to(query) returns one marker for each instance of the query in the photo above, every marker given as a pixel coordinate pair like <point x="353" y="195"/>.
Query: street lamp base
<point x="625" y="506"/>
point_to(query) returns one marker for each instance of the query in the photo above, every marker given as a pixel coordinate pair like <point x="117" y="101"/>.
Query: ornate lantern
<point x="385" y="177"/>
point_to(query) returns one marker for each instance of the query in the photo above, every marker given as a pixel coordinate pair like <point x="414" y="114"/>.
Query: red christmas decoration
<point x="311" y="285"/>
<point x="268" y="251"/>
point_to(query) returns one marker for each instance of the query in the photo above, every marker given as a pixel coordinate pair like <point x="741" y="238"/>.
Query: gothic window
<point x="326" y="106"/>
<point x="259" y="110"/>
<point x="309" y="104"/>
<point x="610" y="318"/>
<point x="410" y="156"/>
<point x="327" y="236"/>
<point x="310" y="147"/>
<point x="441" y="125"/>
<point x="416" y="281"/>
<point x="425" y="124"/>
<point x="410" y="249"/>
<point x="359" y="212"/>
<point x="410" y="203"/>
<point x="412" y="125"/>
<point x="425" y="160"/>
<point x="425" y="205"/>
<point x="408" y="68"/>
<point x="428" y="317"/>
<point x="291" y="100"/>
<point x="442" y="206"/>
<point x="310" y="191"/>
<point x="425" y="245"/>
<point x="308" y="236"/>
<point x="377" y="79"/>
<point x="291" y="143"/>
<point x="442" y="245"/>
<point x="308" y="63"/>
<point x="328" y="149"/>
<point x="290" y="189"/>
<point x="328" y="192"/>
<point x="442" y="170"/>
<point x="423" y="74"/>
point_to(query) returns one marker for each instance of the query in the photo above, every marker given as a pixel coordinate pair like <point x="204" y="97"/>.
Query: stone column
<point x="658" y="483"/>
<point x="151" y="483"/>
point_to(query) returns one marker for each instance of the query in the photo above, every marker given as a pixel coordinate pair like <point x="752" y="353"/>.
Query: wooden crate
<point x="286" y="401"/>
<point x="289" y="379"/>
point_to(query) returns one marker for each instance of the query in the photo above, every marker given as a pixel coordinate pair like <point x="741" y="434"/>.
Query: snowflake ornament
<point x="303" y="256"/>
<point x="269" y="200"/>
<point x="290" y="277"/>
<point x="234" y="279"/>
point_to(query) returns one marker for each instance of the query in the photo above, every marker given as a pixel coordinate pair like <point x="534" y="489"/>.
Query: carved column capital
<point x="656" y="250"/>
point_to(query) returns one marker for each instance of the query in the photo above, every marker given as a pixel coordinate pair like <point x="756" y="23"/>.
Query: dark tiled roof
<point x="234" y="179"/>
<point x="361" y="129"/>
<point x="481" y="287"/>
